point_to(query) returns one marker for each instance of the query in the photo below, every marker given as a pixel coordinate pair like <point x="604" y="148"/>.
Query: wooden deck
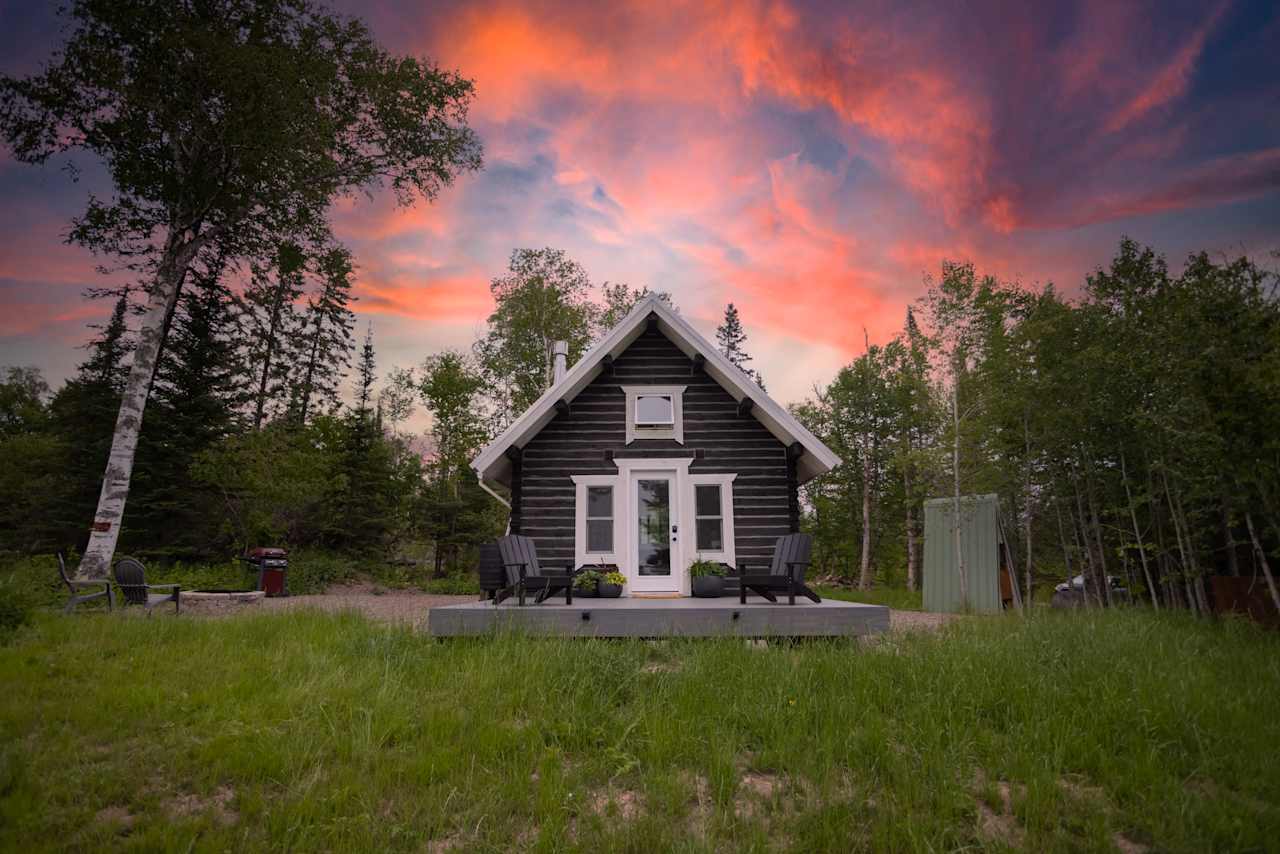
<point x="647" y="618"/>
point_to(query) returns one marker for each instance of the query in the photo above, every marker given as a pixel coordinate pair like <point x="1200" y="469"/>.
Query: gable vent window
<point x="600" y="519"/>
<point x="655" y="412"/>
<point x="709" y="517"/>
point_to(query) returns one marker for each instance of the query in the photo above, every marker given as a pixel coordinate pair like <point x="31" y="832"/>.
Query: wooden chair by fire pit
<point x="76" y="586"/>
<point x="131" y="577"/>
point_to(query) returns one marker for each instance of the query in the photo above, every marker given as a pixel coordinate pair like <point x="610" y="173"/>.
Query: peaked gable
<point x="493" y="466"/>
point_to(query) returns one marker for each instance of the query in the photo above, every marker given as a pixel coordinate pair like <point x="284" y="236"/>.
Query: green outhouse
<point x="979" y="523"/>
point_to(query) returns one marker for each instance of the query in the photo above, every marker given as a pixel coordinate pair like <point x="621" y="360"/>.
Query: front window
<point x="600" y="519"/>
<point x="708" y="517"/>
<point x="654" y="410"/>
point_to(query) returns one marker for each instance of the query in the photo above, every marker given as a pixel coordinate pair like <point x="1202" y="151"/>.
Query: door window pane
<point x="654" y="409"/>
<point x="653" y="527"/>
<point x="709" y="517"/>
<point x="599" y="518"/>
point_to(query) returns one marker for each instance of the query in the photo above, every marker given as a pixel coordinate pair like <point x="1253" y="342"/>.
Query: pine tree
<point x="367" y="372"/>
<point x="198" y="391"/>
<point x="732" y="340"/>
<point x="367" y="499"/>
<point x="272" y="320"/>
<point x="325" y="344"/>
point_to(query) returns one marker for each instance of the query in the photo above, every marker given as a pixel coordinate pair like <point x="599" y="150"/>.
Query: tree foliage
<point x="1129" y="433"/>
<point x="230" y="124"/>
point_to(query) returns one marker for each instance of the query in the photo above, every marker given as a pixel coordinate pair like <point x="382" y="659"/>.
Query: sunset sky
<point x="811" y="162"/>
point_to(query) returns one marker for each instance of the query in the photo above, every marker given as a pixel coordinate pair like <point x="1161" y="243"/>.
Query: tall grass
<point x="312" y="732"/>
<point x="899" y="598"/>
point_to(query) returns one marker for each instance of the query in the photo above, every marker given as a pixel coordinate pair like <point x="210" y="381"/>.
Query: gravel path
<point x="918" y="620"/>
<point x="410" y="606"/>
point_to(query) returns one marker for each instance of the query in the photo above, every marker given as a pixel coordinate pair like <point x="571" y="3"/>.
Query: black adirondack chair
<point x="131" y="576"/>
<point x="526" y="575"/>
<point x="493" y="577"/>
<point x="785" y="575"/>
<point x="76" y="585"/>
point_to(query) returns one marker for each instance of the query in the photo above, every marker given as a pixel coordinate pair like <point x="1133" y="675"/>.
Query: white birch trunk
<point x="1137" y="536"/>
<point x="124" y="441"/>
<point x="864" y="574"/>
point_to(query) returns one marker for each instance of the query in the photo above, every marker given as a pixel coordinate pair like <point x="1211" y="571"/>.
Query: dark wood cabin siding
<point x="720" y="439"/>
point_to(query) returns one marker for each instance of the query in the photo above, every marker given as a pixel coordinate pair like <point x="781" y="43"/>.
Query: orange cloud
<point x="438" y="298"/>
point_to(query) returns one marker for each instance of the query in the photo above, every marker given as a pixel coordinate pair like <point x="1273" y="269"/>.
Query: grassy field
<point x="311" y="732"/>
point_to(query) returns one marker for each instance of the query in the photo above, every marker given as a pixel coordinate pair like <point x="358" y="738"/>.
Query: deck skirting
<point x="634" y="617"/>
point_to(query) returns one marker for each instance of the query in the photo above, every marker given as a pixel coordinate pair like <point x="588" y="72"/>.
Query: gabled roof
<point x="493" y="466"/>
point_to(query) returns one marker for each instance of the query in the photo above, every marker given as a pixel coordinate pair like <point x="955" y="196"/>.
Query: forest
<point x="1128" y="430"/>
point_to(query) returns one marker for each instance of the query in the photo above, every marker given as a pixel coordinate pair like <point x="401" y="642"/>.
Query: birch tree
<point x="227" y="122"/>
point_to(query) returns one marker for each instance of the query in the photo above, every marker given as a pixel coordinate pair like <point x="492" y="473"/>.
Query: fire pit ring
<point x="218" y="602"/>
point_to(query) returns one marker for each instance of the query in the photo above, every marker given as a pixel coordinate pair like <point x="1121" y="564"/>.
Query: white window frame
<point x="581" y="482"/>
<point x="675" y="431"/>
<point x="725" y="481"/>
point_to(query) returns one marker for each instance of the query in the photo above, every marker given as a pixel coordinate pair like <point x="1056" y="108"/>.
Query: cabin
<point x="651" y="452"/>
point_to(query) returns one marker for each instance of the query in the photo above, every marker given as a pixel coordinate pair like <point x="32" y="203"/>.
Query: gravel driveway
<point x="410" y="606"/>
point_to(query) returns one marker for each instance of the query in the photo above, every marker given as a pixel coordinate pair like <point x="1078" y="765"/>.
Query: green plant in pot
<point x="708" y="578"/>
<point x="610" y="586"/>
<point x="587" y="584"/>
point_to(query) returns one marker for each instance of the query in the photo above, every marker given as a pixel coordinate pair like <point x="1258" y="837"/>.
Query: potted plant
<point x="587" y="584"/>
<point x="708" y="578"/>
<point x="610" y="586"/>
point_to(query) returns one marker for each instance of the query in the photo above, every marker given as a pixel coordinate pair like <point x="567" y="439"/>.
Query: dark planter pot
<point x="585" y="592"/>
<point x="609" y="591"/>
<point x="708" y="586"/>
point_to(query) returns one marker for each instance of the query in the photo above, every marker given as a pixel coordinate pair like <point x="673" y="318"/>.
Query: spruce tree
<point x="325" y="340"/>
<point x="269" y="299"/>
<point x="732" y="339"/>
<point x="364" y="506"/>
<point x="198" y="392"/>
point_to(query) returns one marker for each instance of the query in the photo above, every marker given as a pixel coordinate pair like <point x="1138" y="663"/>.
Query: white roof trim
<point x="491" y="463"/>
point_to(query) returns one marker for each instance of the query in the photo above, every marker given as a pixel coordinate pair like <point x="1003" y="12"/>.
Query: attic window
<point x="654" y="412"/>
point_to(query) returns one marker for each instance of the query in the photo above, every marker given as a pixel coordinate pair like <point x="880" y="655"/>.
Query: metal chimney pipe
<point x="559" y="360"/>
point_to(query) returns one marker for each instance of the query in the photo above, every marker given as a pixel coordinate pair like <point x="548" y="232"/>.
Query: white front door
<point x="654" y="561"/>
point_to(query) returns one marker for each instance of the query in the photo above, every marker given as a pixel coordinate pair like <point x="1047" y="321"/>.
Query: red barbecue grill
<point x="273" y="569"/>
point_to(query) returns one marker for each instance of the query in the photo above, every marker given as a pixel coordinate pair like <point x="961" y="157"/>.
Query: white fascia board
<point x="818" y="458"/>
